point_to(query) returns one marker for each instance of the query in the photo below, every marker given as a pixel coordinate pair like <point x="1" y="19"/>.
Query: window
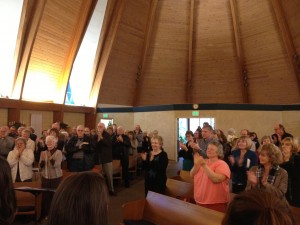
<point x="192" y="124"/>
<point x="10" y="14"/>
<point x="81" y="78"/>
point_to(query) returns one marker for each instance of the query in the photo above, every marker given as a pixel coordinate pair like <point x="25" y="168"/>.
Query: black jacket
<point x="103" y="148"/>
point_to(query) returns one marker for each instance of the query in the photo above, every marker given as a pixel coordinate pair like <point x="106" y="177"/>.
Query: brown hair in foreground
<point x="80" y="199"/>
<point x="258" y="207"/>
<point x="7" y="193"/>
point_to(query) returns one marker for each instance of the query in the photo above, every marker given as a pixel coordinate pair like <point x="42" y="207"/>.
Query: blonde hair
<point x="159" y="138"/>
<point x="292" y="142"/>
<point x="247" y="139"/>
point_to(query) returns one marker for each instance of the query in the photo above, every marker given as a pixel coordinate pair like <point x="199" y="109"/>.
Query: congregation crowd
<point x="221" y="164"/>
<point x="80" y="151"/>
<point x="218" y="163"/>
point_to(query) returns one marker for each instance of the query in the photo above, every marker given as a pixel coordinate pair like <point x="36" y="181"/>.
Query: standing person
<point x="103" y="148"/>
<point x="50" y="164"/>
<point x="80" y="151"/>
<point x="80" y="199"/>
<point x="138" y="134"/>
<point x="291" y="163"/>
<point x="211" y="178"/>
<point x="241" y="160"/>
<point x="146" y="142"/>
<point x="121" y="145"/>
<point x="155" y="164"/>
<point x="7" y="194"/>
<point x="30" y="144"/>
<point x="279" y="134"/>
<point x="186" y="151"/>
<point x="266" y="140"/>
<point x="246" y="133"/>
<point x="6" y="142"/>
<point x="133" y="142"/>
<point x="13" y="132"/>
<point x="268" y="174"/>
<point x="40" y="145"/>
<point x="20" y="160"/>
<point x="197" y="135"/>
<point x="208" y="137"/>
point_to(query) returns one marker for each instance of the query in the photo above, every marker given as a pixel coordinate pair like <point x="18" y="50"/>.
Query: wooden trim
<point x="107" y="48"/>
<point x="140" y="75"/>
<point x="239" y="50"/>
<point x="31" y="16"/>
<point x="286" y="37"/>
<point x="58" y="116"/>
<point x="90" y="120"/>
<point x="13" y="114"/>
<point x="86" y="12"/>
<point x="189" y="96"/>
<point x="41" y="106"/>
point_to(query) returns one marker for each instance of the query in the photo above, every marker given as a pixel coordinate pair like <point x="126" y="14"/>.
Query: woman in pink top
<point x="211" y="178"/>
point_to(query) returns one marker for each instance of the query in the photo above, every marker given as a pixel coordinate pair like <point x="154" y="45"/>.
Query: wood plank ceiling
<point x="154" y="52"/>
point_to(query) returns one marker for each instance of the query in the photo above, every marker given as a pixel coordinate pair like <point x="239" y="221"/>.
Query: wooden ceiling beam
<point x="286" y="37"/>
<point x="86" y="12"/>
<point x="141" y="67"/>
<point x="239" y="51"/>
<point x="189" y="84"/>
<point x="32" y="13"/>
<point x="105" y="52"/>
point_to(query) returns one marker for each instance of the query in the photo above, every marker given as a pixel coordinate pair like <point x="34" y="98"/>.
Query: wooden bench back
<point x="184" y="176"/>
<point x="179" y="189"/>
<point x="165" y="210"/>
<point x="26" y="199"/>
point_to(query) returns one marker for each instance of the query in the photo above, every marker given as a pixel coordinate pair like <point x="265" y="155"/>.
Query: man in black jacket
<point x="121" y="144"/>
<point x="279" y="134"/>
<point x="104" y="150"/>
<point x="80" y="152"/>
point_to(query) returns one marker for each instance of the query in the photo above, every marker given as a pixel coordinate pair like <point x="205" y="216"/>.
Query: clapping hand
<point x="252" y="178"/>
<point x="198" y="159"/>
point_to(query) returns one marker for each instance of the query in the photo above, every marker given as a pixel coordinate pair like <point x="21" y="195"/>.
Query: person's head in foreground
<point x="258" y="207"/>
<point x="80" y="199"/>
<point x="7" y="194"/>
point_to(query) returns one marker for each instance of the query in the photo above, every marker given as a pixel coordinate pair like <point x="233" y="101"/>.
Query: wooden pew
<point x="132" y="166"/>
<point x="184" y="176"/>
<point x="179" y="189"/>
<point x="117" y="170"/>
<point x="165" y="210"/>
<point x="26" y="201"/>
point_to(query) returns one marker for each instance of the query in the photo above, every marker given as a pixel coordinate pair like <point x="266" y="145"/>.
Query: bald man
<point x="279" y="134"/>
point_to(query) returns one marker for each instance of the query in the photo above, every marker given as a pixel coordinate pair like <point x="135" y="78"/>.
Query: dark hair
<point x="281" y="127"/>
<point x="7" y="193"/>
<point x="258" y="207"/>
<point x="80" y="199"/>
<point x="188" y="132"/>
<point x="55" y="131"/>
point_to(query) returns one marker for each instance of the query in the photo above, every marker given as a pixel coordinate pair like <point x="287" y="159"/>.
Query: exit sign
<point x="195" y="113"/>
<point x="105" y="115"/>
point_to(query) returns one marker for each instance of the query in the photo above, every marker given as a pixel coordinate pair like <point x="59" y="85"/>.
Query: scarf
<point x="271" y="177"/>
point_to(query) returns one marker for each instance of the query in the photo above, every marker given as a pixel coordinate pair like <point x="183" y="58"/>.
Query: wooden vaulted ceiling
<point x="154" y="52"/>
